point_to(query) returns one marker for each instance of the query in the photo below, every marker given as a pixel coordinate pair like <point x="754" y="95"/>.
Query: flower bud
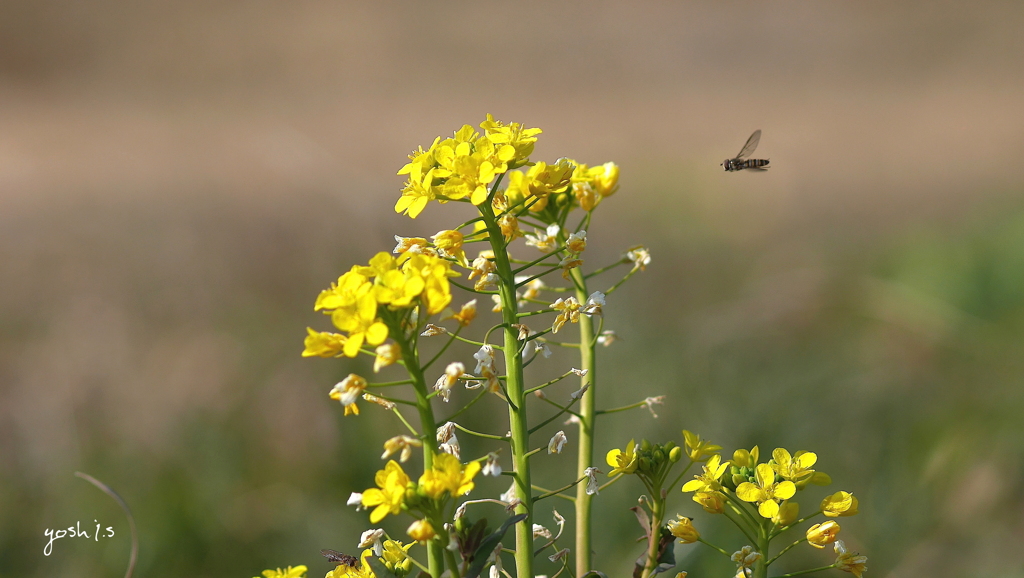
<point x="683" y="529"/>
<point x="819" y="535"/>
<point x="675" y="454"/>
<point x="659" y="456"/>
<point x="645" y="445"/>
<point x="421" y="531"/>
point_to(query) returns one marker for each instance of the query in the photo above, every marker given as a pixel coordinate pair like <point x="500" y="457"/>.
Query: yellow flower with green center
<point x="362" y="570"/>
<point x="839" y="504"/>
<point x="766" y="493"/>
<point x="362" y="324"/>
<point x="682" y="528"/>
<point x="449" y="475"/>
<point x="420" y="161"/>
<point x="623" y="462"/>
<point x="707" y="481"/>
<point x="697" y="448"/>
<point x="796" y="469"/>
<point x="511" y="136"/>
<point x="416" y="194"/>
<point x="396" y="556"/>
<point x="323" y="344"/>
<point x="435" y="272"/>
<point x="547" y="179"/>
<point x="389" y="495"/>
<point x="290" y="572"/>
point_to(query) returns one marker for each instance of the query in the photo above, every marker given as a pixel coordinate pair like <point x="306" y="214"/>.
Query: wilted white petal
<point x="355" y="499"/>
<point x="557" y="441"/>
<point x="541" y="532"/>
<point x="592" y="487"/>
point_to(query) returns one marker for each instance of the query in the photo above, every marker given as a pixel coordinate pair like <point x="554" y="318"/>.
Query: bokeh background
<point x="179" y="179"/>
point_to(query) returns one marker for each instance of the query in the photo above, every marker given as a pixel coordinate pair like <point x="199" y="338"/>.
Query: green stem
<point x="657" y="516"/>
<point x="710" y="545"/>
<point x="435" y="554"/>
<point x="558" y="491"/>
<point x="480" y="435"/>
<point x="805" y="571"/>
<point x="516" y="395"/>
<point x="784" y="550"/>
<point x="588" y="414"/>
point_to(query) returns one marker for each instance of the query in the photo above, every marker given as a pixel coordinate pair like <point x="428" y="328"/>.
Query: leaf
<point x="487" y="545"/>
<point x="645" y="521"/>
<point x="666" y="556"/>
<point x="379" y="570"/>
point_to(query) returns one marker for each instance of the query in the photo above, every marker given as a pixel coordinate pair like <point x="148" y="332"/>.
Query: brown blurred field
<point x="179" y="180"/>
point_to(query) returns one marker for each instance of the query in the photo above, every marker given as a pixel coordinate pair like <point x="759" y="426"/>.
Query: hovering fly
<point x="339" y="558"/>
<point x="738" y="163"/>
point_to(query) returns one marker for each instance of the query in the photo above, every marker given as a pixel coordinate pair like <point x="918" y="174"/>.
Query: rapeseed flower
<point x="819" y="535"/>
<point x="323" y="344"/>
<point x="623" y="462"/>
<point x="766" y="493"/>
<point x="448" y="475"/>
<point x="421" y="530"/>
<point x="707" y="480"/>
<point x="698" y="449"/>
<point x="290" y="572"/>
<point x="347" y="391"/>
<point x="839" y="504"/>
<point x="389" y="495"/>
<point x="851" y="562"/>
<point x="682" y="528"/>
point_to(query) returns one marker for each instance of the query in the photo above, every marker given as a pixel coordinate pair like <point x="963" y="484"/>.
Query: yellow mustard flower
<point x="742" y="458"/>
<point x="421" y="530"/>
<point x="416" y="194"/>
<point x="712" y="502"/>
<point x="546" y="179"/>
<point x="766" y="493"/>
<point x="586" y="195"/>
<point x="449" y="244"/>
<point x="577" y="242"/>
<point x="796" y="469"/>
<point x="361" y="322"/>
<point x="350" y="286"/>
<point x="361" y="570"/>
<point x="389" y="495"/>
<point x="396" y="556"/>
<point x="509" y="225"/>
<point x="290" y="572"/>
<point x="851" y="562"/>
<point x="514" y="135"/>
<point x="682" y="528"/>
<point x="839" y="504"/>
<point x="518" y="193"/>
<point x="435" y="272"/>
<point x="623" y="462"/>
<point x="698" y="449"/>
<point x="323" y="344"/>
<point x="707" y="480"/>
<point x="606" y="178"/>
<point x="420" y="161"/>
<point x="820" y="535"/>
<point x="449" y="475"/>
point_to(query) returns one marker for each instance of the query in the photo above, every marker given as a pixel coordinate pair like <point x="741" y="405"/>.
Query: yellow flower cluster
<point x="465" y="165"/>
<point x="395" y="283"/>
<point x="447" y="477"/>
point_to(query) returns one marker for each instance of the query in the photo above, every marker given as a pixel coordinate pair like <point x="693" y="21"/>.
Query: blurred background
<point x="178" y="181"/>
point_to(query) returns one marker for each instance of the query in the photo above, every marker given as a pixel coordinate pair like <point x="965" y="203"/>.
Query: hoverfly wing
<point x="751" y="145"/>
<point x="339" y="558"/>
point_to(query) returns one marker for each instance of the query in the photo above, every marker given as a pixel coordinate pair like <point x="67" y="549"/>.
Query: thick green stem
<point x="657" y="517"/>
<point x="761" y="566"/>
<point x="585" y="452"/>
<point x="515" y="390"/>
<point x="435" y="551"/>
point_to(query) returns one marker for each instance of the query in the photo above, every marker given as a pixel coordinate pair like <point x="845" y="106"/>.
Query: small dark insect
<point x="738" y="164"/>
<point x="339" y="558"/>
